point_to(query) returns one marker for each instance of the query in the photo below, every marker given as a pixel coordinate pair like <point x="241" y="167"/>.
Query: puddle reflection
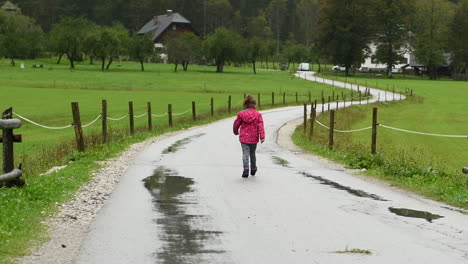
<point x="359" y="193"/>
<point x="183" y="242"/>
<point x="280" y="161"/>
<point x="180" y="143"/>
<point x="414" y="214"/>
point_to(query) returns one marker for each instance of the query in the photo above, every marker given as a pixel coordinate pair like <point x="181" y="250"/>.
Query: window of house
<point x="174" y="27"/>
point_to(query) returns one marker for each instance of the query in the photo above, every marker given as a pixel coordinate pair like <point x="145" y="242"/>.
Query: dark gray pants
<point x="248" y="151"/>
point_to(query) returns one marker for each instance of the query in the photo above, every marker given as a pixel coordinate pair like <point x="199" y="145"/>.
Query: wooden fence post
<point x="7" y="138"/>
<point x="229" y="104"/>
<point x="132" y="118"/>
<point x="323" y="104"/>
<point x="284" y="98"/>
<point x="7" y="124"/>
<point x="104" y="121"/>
<point x="332" y="128"/>
<point x="194" y="111"/>
<point x="374" y="131"/>
<point x="329" y="99"/>
<point x="150" y="117"/>
<point x="258" y="101"/>
<point x="272" y="98"/>
<point x="169" y="114"/>
<point x="312" y="123"/>
<point x="78" y="129"/>
<point x="212" y="106"/>
<point x="305" y="118"/>
<point x="297" y="100"/>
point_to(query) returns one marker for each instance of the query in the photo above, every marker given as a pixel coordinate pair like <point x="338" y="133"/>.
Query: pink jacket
<point x="250" y="122"/>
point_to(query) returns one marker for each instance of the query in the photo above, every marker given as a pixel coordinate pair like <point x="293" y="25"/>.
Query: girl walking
<point x="249" y="127"/>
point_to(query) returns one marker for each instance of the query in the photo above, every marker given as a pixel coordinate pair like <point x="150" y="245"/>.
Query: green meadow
<point x="44" y="94"/>
<point x="425" y="164"/>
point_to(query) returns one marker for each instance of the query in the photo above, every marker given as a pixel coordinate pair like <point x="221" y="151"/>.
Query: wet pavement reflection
<point x="183" y="241"/>
<point x="359" y="193"/>
<point x="180" y="143"/>
<point x="280" y="161"/>
<point x="414" y="214"/>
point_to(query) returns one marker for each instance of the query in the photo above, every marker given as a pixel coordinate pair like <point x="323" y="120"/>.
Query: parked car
<point x="364" y="69"/>
<point x="304" y="66"/>
<point x="340" y="68"/>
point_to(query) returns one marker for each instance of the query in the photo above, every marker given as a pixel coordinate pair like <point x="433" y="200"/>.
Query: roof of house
<point x="7" y="5"/>
<point x="159" y="24"/>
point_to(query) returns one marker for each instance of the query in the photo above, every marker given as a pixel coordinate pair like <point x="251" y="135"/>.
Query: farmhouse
<point x="8" y="6"/>
<point x="164" y="26"/>
<point x="371" y="65"/>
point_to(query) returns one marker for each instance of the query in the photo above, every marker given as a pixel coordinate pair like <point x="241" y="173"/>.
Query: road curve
<point x="184" y="201"/>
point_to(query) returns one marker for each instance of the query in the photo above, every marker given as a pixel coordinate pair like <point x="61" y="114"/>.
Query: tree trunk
<point x="60" y="58"/>
<point x="185" y="65"/>
<point x="103" y="64"/>
<point x="13" y="62"/>
<point x="72" y="62"/>
<point x="253" y="66"/>
<point x="176" y="63"/>
<point x="142" y="66"/>
<point x="110" y="62"/>
<point x="219" y="66"/>
<point x="91" y="60"/>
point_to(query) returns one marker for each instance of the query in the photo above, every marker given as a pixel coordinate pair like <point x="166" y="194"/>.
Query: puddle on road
<point x="180" y="143"/>
<point x="359" y="193"/>
<point x="280" y="161"/>
<point x="414" y="214"/>
<point x="183" y="241"/>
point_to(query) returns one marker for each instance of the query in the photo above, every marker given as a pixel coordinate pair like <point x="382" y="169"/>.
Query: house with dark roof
<point x="164" y="26"/>
<point x="8" y="6"/>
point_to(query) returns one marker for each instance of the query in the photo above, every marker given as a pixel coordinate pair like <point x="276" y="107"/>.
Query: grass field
<point x="425" y="164"/>
<point x="44" y="95"/>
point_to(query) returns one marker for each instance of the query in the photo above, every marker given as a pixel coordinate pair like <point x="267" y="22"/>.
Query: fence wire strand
<point x="39" y="125"/>
<point x="117" y="119"/>
<point x="94" y="121"/>
<point x="344" y="131"/>
<point x="162" y="115"/>
<point x="422" y="133"/>
<point x="140" y="116"/>
<point x="183" y="113"/>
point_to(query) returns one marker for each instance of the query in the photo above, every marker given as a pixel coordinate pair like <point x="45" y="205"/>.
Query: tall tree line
<point x="333" y="31"/>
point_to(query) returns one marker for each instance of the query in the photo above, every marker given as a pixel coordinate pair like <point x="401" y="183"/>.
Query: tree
<point x="219" y="13"/>
<point x="308" y="12"/>
<point x="116" y="42"/>
<point x="431" y="33"/>
<point x="345" y="30"/>
<point x="253" y="51"/>
<point x="275" y="11"/>
<point x="140" y="47"/>
<point x="19" y="36"/>
<point x="459" y="37"/>
<point x="184" y="48"/>
<point x="68" y="36"/>
<point x="223" y="46"/>
<point x="392" y="25"/>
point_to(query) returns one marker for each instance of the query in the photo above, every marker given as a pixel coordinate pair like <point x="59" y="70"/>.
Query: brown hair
<point x="249" y="101"/>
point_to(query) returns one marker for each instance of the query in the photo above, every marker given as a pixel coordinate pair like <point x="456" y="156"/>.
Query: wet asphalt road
<point x="184" y="201"/>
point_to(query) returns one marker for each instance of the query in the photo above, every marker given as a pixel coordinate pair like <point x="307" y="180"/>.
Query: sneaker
<point x="253" y="171"/>
<point x="245" y="174"/>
